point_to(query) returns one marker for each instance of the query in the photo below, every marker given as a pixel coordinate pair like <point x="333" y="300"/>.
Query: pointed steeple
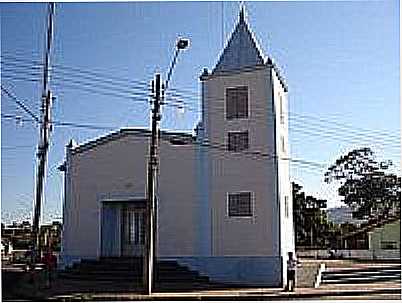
<point x="241" y="50"/>
<point x="241" y="13"/>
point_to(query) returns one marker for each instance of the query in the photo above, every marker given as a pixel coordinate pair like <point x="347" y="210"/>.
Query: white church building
<point x="224" y="195"/>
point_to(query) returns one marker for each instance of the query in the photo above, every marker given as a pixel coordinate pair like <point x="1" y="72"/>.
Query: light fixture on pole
<point x="181" y="44"/>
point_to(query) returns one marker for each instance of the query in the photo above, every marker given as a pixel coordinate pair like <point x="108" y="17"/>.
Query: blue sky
<point x="340" y="60"/>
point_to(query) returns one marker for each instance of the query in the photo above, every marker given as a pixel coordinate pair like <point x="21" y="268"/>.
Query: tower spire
<point x="241" y="13"/>
<point x="242" y="49"/>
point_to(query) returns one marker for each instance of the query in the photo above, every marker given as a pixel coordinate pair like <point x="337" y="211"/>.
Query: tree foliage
<point x="366" y="185"/>
<point x="311" y="224"/>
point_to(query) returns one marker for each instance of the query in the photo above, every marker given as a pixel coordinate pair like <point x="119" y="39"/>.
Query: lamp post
<point x="151" y="207"/>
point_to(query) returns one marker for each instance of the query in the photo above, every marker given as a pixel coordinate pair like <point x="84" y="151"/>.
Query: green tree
<point x="365" y="184"/>
<point x="311" y="224"/>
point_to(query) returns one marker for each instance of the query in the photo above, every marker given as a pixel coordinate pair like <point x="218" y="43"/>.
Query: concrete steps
<point x="126" y="274"/>
<point x="370" y="274"/>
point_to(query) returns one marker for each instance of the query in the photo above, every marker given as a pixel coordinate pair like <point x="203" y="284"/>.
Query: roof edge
<point x="269" y="64"/>
<point x="172" y="137"/>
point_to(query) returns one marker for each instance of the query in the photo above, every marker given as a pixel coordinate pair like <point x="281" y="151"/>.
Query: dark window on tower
<point x="237" y="141"/>
<point x="239" y="204"/>
<point x="237" y="102"/>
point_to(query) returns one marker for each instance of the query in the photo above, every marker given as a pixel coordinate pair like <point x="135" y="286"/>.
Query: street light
<point x="181" y="44"/>
<point x="150" y="247"/>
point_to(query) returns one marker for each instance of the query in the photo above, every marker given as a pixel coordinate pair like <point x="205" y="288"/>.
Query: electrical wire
<point x="182" y="105"/>
<point x="19" y="103"/>
<point x="214" y="145"/>
<point x="306" y="127"/>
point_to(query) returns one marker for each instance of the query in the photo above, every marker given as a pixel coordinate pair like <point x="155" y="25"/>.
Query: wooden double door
<point x="132" y="231"/>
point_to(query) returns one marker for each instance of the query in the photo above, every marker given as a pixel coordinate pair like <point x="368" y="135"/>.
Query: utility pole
<point x="45" y="129"/>
<point x="151" y="203"/>
<point x="150" y="217"/>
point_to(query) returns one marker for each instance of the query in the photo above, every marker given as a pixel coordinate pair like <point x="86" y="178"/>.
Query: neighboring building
<point x="380" y="235"/>
<point x="6" y="249"/>
<point x="20" y="235"/>
<point x="386" y="237"/>
<point x="224" y="196"/>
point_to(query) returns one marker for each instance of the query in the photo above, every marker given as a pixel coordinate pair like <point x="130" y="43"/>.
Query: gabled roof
<point x="378" y="223"/>
<point x="175" y="138"/>
<point x="241" y="51"/>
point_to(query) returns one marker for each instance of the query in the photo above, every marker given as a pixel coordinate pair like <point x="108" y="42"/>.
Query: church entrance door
<point x="133" y="233"/>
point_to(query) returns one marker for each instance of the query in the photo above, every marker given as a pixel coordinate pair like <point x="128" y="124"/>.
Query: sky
<point x="340" y="61"/>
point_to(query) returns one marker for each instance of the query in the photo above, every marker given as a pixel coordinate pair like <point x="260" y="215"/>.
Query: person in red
<point x="50" y="261"/>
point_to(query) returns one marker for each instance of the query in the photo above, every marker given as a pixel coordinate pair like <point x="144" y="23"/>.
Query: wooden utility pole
<point x="150" y="218"/>
<point x="45" y="129"/>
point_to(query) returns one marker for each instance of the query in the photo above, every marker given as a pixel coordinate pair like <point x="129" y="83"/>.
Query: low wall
<point x="363" y="254"/>
<point x="253" y="271"/>
<point x="306" y="274"/>
<point x="316" y="254"/>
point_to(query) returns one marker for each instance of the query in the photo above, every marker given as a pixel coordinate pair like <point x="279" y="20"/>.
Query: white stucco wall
<point x="285" y="189"/>
<point x="234" y="172"/>
<point x="177" y="228"/>
<point x="117" y="169"/>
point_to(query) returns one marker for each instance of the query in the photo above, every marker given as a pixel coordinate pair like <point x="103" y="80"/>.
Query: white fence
<point x="363" y="254"/>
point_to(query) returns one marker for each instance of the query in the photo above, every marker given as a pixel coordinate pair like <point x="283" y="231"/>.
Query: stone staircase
<point x="362" y="275"/>
<point x="125" y="274"/>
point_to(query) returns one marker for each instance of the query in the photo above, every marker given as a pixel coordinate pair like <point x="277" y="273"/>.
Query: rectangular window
<point x="237" y="141"/>
<point x="237" y="102"/>
<point x="239" y="204"/>
<point x="286" y="206"/>
<point x="389" y="245"/>
<point x="283" y="144"/>
<point x="282" y="116"/>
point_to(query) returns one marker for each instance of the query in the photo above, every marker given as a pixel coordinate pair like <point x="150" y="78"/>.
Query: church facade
<point x="224" y="195"/>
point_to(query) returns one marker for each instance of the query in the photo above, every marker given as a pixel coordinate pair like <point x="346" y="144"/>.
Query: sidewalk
<point x="241" y="294"/>
<point x="70" y="290"/>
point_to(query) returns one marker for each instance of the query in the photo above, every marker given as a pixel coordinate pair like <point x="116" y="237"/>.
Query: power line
<point x="67" y="124"/>
<point x="327" y="121"/>
<point x="73" y="80"/>
<point x="94" y="88"/>
<point x="184" y="94"/>
<point x="127" y="83"/>
<point x="213" y="145"/>
<point x="93" y="72"/>
<point x="181" y="104"/>
<point x="222" y="148"/>
<point x="63" y="74"/>
<point x="16" y="147"/>
<point x="20" y="103"/>
<point x="58" y="67"/>
<point x="318" y="132"/>
<point x="71" y="76"/>
<point x="346" y="125"/>
<point x="306" y="128"/>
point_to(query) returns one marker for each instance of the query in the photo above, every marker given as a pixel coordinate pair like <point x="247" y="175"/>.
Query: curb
<point x="238" y="296"/>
